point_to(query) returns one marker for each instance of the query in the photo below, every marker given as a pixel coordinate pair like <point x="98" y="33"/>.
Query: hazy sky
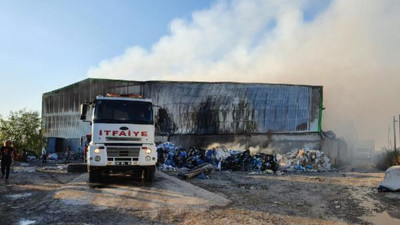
<point x="348" y="46"/>
<point x="45" y="45"/>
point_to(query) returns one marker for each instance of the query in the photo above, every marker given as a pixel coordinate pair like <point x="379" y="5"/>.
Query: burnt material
<point x="206" y="117"/>
<point x="165" y="125"/>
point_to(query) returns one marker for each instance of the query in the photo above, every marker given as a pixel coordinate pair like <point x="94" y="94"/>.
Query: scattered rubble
<point x="304" y="160"/>
<point x="200" y="171"/>
<point x="53" y="156"/>
<point x="31" y="158"/>
<point x="23" y="169"/>
<point x="54" y="168"/>
<point x="23" y="164"/>
<point x="19" y="196"/>
<point x="171" y="157"/>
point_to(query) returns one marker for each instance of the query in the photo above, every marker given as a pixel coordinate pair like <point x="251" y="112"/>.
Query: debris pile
<point x="53" y="156"/>
<point x="304" y="160"/>
<point x="171" y="157"/>
<point x="200" y="171"/>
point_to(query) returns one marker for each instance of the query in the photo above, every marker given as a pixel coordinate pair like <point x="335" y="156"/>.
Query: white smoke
<point x="352" y="49"/>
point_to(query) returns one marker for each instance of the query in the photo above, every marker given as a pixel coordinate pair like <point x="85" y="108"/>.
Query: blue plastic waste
<point x="203" y="176"/>
<point x="177" y="157"/>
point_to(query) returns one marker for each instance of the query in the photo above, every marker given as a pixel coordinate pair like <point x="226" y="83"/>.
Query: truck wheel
<point x="137" y="174"/>
<point x="94" y="174"/>
<point x="149" y="173"/>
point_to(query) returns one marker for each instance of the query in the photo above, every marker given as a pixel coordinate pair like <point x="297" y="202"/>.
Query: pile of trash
<point x="53" y="156"/>
<point x="200" y="171"/>
<point x="304" y="160"/>
<point x="171" y="157"/>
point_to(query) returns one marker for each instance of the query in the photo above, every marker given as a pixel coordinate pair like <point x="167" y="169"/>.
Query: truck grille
<point x="123" y="139"/>
<point x="123" y="152"/>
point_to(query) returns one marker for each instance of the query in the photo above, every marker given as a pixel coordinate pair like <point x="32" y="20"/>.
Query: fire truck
<point x="122" y="136"/>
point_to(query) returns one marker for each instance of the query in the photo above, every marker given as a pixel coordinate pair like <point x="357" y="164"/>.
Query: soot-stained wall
<point x="235" y="108"/>
<point x="195" y="108"/>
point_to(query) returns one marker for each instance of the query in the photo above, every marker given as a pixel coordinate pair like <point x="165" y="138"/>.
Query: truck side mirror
<point x="84" y="108"/>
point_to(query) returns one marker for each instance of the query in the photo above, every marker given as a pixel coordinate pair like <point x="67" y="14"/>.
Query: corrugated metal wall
<point x="61" y="108"/>
<point x="235" y="108"/>
<point x="195" y="107"/>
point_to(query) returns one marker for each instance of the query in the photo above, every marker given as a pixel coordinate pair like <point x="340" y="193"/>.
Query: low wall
<point x="266" y="143"/>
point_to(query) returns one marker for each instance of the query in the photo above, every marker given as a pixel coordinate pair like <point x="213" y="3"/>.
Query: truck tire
<point x="94" y="174"/>
<point x="149" y="173"/>
<point x="137" y="174"/>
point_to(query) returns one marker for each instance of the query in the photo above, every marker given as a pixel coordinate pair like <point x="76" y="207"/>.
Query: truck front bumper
<point x="109" y="156"/>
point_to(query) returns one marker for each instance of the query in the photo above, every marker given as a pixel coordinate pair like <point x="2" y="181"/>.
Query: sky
<point x="46" y="45"/>
<point x="348" y="46"/>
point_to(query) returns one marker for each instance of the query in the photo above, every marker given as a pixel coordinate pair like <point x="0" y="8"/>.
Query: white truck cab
<point x="122" y="129"/>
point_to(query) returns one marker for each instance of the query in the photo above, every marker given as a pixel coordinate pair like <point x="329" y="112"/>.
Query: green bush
<point x="23" y="129"/>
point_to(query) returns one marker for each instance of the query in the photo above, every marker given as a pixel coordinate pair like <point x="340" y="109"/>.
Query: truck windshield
<point x="119" y="111"/>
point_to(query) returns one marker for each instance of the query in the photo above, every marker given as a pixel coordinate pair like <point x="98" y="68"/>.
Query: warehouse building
<point x="266" y="117"/>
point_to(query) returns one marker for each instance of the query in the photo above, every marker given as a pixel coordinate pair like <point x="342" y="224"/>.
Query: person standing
<point x="44" y="155"/>
<point x="7" y="155"/>
<point x="68" y="154"/>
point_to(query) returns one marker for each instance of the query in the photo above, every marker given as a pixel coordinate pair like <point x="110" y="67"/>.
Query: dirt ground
<point x="52" y="196"/>
<point x="313" y="198"/>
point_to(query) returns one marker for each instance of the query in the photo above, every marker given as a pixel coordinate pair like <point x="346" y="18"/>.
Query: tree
<point x="23" y="128"/>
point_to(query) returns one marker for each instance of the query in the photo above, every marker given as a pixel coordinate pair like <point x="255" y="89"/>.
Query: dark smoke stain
<point x="206" y="118"/>
<point x="302" y="127"/>
<point x="315" y="102"/>
<point x="244" y="118"/>
<point x="201" y="141"/>
<point x="165" y="125"/>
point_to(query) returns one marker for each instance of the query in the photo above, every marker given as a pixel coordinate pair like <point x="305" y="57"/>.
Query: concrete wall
<point x="265" y="143"/>
<point x="336" y="149"/>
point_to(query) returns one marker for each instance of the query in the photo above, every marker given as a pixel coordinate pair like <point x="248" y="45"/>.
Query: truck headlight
<point x="146" y="149"/>
<point x="97" y="158"/>
<point x="97" y="151"/>
<point x="148" y="158"/>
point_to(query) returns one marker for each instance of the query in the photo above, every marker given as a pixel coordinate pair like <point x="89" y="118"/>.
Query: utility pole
<point x="394" y="132"/>
<point x="399" y="126"/>
<point x="389" y="139"/>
